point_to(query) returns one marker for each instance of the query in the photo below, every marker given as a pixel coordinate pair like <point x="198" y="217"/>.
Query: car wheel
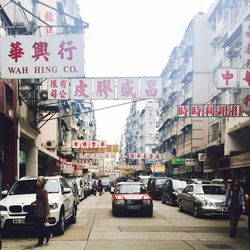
<point x="73" y="217"/>
<point x="60" y="226"/>
<point x="195" y="211"/>
<point x="180" y="209"/>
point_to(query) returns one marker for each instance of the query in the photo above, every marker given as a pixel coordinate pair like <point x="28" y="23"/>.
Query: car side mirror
<point x="4" y="193"/>
<point x="66" y="190"/>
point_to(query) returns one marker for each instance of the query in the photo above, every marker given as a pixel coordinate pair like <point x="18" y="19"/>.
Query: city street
<point x="96" y="228"/>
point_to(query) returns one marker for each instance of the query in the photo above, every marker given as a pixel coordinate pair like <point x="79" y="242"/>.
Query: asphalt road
<point x="96" y="229"/>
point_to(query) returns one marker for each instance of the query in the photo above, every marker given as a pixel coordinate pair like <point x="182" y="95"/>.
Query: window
<point x="8" y="95"/>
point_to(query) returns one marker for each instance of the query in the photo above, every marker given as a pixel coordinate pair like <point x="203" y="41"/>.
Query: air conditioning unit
<point x="51" y="144"/>
<point x="231" y="53"/>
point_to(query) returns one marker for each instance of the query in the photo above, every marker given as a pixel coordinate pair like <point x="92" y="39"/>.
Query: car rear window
<point x="160" y="181"/>
<point x="206" y="189"/>
<point x="131" y="189"/>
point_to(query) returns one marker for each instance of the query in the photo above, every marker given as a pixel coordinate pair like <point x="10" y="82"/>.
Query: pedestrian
<point x="247" y="198"/>
<point x="235" y="204"/>
<point x="100" y="187"/>
<point x="42" y="212"/>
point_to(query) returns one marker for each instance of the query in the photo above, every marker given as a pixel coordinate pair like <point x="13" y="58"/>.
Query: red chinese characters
<point x="128" y="89"/>
<point x="104" y="88"/>
<point x="211" y="110"/>
<point x="16" y="51"/>
<point x="58" y="89"/>
<point x="183" y="111"/>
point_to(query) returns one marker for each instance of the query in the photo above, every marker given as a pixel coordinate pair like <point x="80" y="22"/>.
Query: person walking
<point x="42" y="212"/>
<point x="235" y="203"/>
<point x="100" y="187"/>
<point x="247" y="198"/>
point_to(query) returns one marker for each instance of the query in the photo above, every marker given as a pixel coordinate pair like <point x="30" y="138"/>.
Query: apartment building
<point x="228" y="148"/>
<point x="186" y="82"/>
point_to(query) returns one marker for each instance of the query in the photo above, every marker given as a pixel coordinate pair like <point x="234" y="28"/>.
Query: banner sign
<point x="143" y="156"/>
<point x="105" y="88"/>
<point x="191" y="162"/>
<point x="27" y="57"/>
<point x="210" y="110"/>
<point x="88" y="144"/>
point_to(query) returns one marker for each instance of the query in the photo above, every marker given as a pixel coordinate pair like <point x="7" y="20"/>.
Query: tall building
<point x="186" y="82"/>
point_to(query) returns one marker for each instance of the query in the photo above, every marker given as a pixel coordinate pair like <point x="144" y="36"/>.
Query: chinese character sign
<point x="88" y="144"/>
<point x="28" y="57"/>
<point x="104" y="88"/>
<point x="134" y="156"/>
<point x="151" y="88"/>
<point x="227" y="78"/>
<point x="245" y="99"/>
<point x="49" y="16"/>
<point x="58" y="89"/>
<point x="111" y="88"/>
<point x="128" y="88"/>
<point x="81" y="89"/>
<point x="211" y="110"/>
<point x="246" y="44"/>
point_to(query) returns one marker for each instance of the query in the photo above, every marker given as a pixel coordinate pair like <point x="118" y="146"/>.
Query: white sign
<point x="131" y="88"/>
<point x="104" y="89"/>
<point x="245" y="99"/>
<point x="128" y="88"/>
<point x="244" y="78"/>
<point x="151" y="88"/>
<point x="57" y="56"/>
<point x="227" y="78"/>
<point x="201" y="157"/>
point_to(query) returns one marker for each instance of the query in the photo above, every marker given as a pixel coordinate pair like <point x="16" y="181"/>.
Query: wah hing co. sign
<point x="210" y="110"/>
<point x="130" y="88"/>
<point x="30" y="57"/>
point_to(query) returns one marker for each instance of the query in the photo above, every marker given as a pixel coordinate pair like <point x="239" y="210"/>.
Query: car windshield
<point x="160" y="181"/>
<point x="204" y="189"/>
<point x="29" y="187"/>
<point x="179" y="184"/>
<point x="131" y="189"/>
<point x="105" y="182"/>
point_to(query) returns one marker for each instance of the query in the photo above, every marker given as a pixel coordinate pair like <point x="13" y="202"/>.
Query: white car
<point x="15" y="205"/>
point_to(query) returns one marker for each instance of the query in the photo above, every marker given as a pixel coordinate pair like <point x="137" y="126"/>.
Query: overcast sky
<point x="131" y="38"/>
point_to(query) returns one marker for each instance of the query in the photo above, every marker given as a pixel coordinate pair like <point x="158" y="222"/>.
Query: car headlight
<point x="146" y="202"/>
<point x="3" y="208"/>
<point x="119" y="202"/>
<point x="53" y="206"/>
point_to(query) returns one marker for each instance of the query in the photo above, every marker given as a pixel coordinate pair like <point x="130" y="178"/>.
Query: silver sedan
<point x="203" y="199"/>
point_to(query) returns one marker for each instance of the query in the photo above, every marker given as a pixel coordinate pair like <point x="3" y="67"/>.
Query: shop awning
<point x="48" y="153"/>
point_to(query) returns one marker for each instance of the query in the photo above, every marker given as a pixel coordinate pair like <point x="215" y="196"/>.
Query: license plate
<point x="221" y="209"/>
<point x="18" y="221"/>
<point x="134" y="207"/>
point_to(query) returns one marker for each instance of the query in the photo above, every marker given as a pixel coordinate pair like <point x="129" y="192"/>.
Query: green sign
<point x="178" y="161"/>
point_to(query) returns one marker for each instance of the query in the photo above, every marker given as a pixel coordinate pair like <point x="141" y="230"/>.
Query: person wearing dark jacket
<point x="235" y="203"/>
<point x="247" y="198"/>
<point x="42" y="212"/>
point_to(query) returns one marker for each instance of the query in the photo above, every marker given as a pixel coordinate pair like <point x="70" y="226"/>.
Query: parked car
<point x="202" y="199"/>
<point x="170" y="189"/>
<point x="90" y="189"/>
<point x="82" y="187"/>
<point x="106" y="184"/>
<point x="131" y="196"/>
<point x="73" y="185"/>
<point x="16" y="204"/>
<point x="154" y="186"/>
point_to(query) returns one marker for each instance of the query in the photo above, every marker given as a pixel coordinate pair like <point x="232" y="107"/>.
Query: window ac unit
<point x="51" y="144"/>
<point x="231" y="53"/>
